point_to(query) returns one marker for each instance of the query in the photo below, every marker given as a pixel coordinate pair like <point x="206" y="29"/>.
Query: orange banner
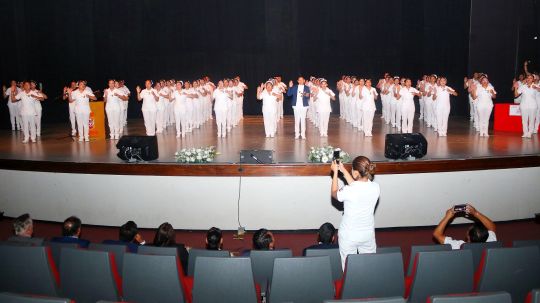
<point x="97" y="120"/>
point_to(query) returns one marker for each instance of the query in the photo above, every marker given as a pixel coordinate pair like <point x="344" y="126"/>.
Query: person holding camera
<point x="483" y="230"/>
<point x="359" y="197"/>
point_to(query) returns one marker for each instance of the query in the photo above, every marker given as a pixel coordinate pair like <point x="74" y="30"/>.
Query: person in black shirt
<point x="326" y="238"/>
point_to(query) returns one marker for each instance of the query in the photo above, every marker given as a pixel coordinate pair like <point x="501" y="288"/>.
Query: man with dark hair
<point x="214" y="239"/>
<point x="71" y="231"/>
<point x="483" y="229"/>
<point x="263" y="239"/>
<point x="326" y="238"/>
<point x="129" y="236"/>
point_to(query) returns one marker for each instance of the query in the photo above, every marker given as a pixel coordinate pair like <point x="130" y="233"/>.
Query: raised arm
<point x="438" y="233"/>
<point x="471" y="211"/>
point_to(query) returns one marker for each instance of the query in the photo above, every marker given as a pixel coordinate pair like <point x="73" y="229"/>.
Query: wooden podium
<point x="97" y="120"/>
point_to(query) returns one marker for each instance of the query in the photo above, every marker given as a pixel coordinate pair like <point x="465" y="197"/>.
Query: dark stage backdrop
<point x="56" y="41"/>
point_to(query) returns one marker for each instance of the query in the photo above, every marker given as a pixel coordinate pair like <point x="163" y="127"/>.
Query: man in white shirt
<point x="14" y="107"/>
<point x="483" y="229"/>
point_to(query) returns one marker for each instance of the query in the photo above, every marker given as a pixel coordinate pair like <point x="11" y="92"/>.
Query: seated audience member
<point x="263" y="239"/>
<point x="326" y="238"/>
<point x="129" y="236"/>
<point x="483" y="230"/>
<point x="23" y="229"/>
<point x="214" y="239"/>
<point x="71" y="231"/>
<point x="166" y="237"/>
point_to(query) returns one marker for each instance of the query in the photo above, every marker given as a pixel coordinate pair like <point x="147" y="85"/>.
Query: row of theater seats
<point x="155" y="275"/>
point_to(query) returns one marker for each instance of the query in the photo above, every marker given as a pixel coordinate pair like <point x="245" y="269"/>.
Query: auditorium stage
<point x="463" y="149"/>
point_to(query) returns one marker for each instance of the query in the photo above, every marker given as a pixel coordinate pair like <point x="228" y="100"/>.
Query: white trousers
<point x="37" y="120"/>
<point x="484" y="112"/>
<point x="221" y="122"/>
<point x="537" y="124"/>
<point x="407" y="118"/>
<point x="324" y="117"/>
<point x="471" y="108"/>
<point x="72" y="117"/>
<point x="528" y="117"/>
<point x="393" y="112"/>
<point x="422" y="107"/>
<point x="341" y="105"/>
<point x="434" y="115"/>
<point x="270" y="124"/>
<point x="443" y="112"/>
<point x="114" y="117"/>
<point x="150" y="121"/>
<point x="160" y="119"/>
<point x="359" y="116"/>
<point x="14" y="116"/>
<point x="29" y="127"/>
<point x="428" y="112"/>
<point x="300" y="121"/>
<point x="189" y="115"/>
<point x="361" y="243"/>
<point x="181" y="123"/>
<point x="368" y="115"/>
<point x="83" y="124"/>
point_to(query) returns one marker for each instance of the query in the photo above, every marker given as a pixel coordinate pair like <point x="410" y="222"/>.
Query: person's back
<point x="359" y="200"/>
<point x="326" y="238"/>
<point x="71" y="231"/>
<point x="166" y="237"/>
<point x="128" y="236"/>
<point x="214" y="239"/>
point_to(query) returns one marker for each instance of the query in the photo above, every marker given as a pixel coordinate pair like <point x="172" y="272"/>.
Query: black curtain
<point x="57" y="41"/>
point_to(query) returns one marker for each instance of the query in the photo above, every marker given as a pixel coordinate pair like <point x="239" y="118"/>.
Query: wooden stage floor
<point x="462" y="142"/>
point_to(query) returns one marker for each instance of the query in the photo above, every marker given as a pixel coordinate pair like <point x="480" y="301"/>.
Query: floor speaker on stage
<point x="253" y="156"/>
<point x="403" y="146"/>
<point x="137" y="148"/>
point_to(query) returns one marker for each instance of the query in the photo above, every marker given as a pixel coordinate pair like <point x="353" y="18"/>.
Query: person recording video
<point x="483" y="230"/>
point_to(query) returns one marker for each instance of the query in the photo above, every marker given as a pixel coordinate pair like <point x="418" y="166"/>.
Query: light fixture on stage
<point x="253" y="156"/>
<point x="137" y="148"/>
<point x="405" y="146"/>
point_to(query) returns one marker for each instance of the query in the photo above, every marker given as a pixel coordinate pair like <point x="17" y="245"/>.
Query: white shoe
<point x="86" y="140"/>
<point x="81" y="139"/>
<point x="33" y="140"/>
<point x="296" y="137"/>
<point x="73" y="133"/>
<point x="25" y="141"/>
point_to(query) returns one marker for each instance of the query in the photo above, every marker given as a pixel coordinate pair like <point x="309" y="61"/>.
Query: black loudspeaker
<point x="137" y="148"/>
<point x="256" y="156"/>
<point x="403" y="146"/>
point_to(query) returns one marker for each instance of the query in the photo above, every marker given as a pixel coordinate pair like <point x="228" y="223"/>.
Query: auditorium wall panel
<point x="278" y="203"/>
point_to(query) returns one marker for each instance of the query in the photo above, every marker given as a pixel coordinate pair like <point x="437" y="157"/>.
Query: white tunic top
<point x="81" y="100"/>
<point x="528" y="95"/>
<point x="221" y="100"/>
<point x="27" y="103"/>
<point x="179" y="100"/>
<point x="443" y="96"/>
<point x="8" y="93"/>
<point x="149" y="102"/>
<point x="323" y="100"/>
<point x="456" y="244"/>
<point x="113" y="102"/>
<point x="483" y="95"/>
<point x="369" y="98"/>
<point x="269" y="102"/>
<point x="407" y="96"/>
<point x="359" y="199"/>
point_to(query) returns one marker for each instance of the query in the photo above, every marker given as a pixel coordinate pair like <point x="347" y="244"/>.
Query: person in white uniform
<point x="300" y="94"/>
<point x="406" y="95"/>
<point x="395" y="116"/>
<point x="27" y="110"/>
<point x="221" y="98"/>
<point x="13" y="106"/>
<point x="442" y="94"/>
<point x="113" y="109"/>
<point x="41" y="96"/>
<point x="483" y="95"/>
<point x="124" y="104"/>
<point x="81" y="97"/>
<point x="72" y="116"/>
<point x="178" y="101"/>
<point x="527" y="105"/>
<point x="359" y="96"/>
<point x="164" y="95"/>
<point x="368" y="108"/>
<point x="241" y="99"/>
<point x="359" y="197"/>
<point x="429" y="102"/>
<point x="324" y="108"/>
<point x="269" y="98"/>
<point x="149" y="98"/>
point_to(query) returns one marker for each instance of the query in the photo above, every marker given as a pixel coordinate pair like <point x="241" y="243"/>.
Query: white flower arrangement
<point x="325" y="154"/>
<point x="196" y="155"/>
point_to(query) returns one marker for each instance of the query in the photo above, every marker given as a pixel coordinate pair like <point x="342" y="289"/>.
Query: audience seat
<point x="56" y="249"/>
<point x="373" y="300"/>
<point x="30" y="241"/>
<point x="153" y="278"/>
<point x="494" y="297"/>
<point x="515" y="270"/>
<point x="27" y="269"/>
<point x="523" y="243"/>
<point x="117" y="250"/>
<point x="533" y="296"/>
<point x="89" y="276"/>
<point x="224" y="280"/>
<point x="301" y="279"/>
<point x="194" y="253"/>
<point x="388" y="249"/>
<point x="157" y="250"/>
<point x="7" y="297"/>
<point x="335" y="260"/>
<point x="478" y="248"/>
<point x="439" y="273"/>
<point x="262" y="263"/>
<point x="422" y="248"/>
<point x="372" y="276"/>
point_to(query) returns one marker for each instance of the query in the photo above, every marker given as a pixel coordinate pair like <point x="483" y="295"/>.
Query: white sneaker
<point x="81" y="139"/>
<point x="73" y="133"/>
<point x="25" y="141"/>
<point x="33" y="140"/>
<point x="86" y="140"/>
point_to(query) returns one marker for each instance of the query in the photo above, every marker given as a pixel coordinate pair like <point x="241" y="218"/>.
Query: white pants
<point x="72" y="117"/>
<point x="428" y="114"/>
<point x="14" y="116"/>
<point x="361" y="243"/>
<point x="484" y="112"/>
<point x="189" y="115"/>
<point x="221" y="122"/>
<point x="393" y="112"/>
<point x="359" y="115"/>
<point x="528" y="117"/>
<point x="150" y="121"/>
<point x="537" y="124"/>
<point x="181" y="123"/>
<point x="476" y="117"/>
<point x="407" y="118"/>
<point x="422" y="107"/>
<point x="386" y="109"/>
<point x="368" y="115"/>
<point x="197" y="113"/>
<point x="229" y="116"/>
<point x="443" y="112"/>
<point x="160" y="119"/>
<point x="241" y="108"/>
<point x="341" y="105"/>
<point x="114" y="117"/>
<point x="471" y="108"/>
<point x="269" y="118"/>
<point x="300" y="121"/>
<point x="37" y="120"/>
<point x="324" y="117"/>
<point x="434" y="115"/>
<point x="29" y="127"/>
<point x="82" y="123"/>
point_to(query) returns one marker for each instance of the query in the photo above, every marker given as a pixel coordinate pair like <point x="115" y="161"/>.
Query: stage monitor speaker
<point x="403" y="146"/>
<point x="137" y="148"/>
<point x="253" y="156"/>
